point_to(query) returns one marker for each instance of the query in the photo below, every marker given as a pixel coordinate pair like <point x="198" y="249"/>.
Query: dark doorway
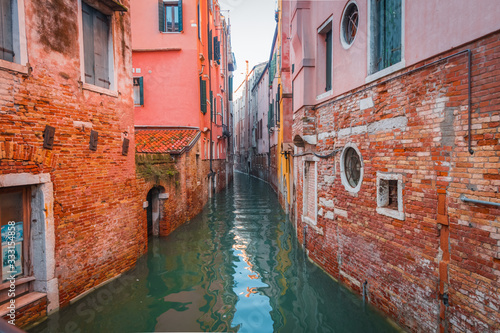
<point x="153" y="211"/>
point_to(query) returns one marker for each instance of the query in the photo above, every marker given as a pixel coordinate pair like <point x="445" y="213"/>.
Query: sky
<point x="252" y="32"/>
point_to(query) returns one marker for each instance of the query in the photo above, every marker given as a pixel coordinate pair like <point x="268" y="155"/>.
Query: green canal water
<point x="236" y="267"/>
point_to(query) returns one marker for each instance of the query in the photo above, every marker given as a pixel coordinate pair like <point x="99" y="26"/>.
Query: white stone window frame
<point x="20" y="64"/>
<point x="42" y="249"/>
<point x="344" y="43"/>
<point x="391" y="69"/>
<point x="306" y="218"/>
<point x="381" y="208"/>
<point x="343" y="177"/>
<point x="112" y="91"/>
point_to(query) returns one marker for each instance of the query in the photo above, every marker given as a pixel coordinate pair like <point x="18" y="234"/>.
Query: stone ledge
<point x="22" y="302"/>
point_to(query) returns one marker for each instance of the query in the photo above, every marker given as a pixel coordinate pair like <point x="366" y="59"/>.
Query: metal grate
<point x="393" y="194"/>
<point x="350" y="23"/>
<point x="352" y="167"/>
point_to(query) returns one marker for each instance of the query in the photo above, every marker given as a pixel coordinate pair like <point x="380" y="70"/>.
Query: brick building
<point x="396" y="128"/>
<point x="66" y="178"/>
<point x="182" y="65"/>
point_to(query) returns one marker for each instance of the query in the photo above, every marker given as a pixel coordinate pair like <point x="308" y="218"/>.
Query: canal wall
<point x="401" y="234"/>
<point x="182" y="195"/>
<point x="81" y="200"/>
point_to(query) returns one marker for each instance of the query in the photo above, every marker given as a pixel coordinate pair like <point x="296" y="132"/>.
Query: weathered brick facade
<point x="413" y="125"/>
<point x="94" y="201"/>
<point x="187" y="191"/>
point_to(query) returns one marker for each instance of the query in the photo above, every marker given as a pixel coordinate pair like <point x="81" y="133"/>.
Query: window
<point x="390" y="195"/>
<point x="97" y="47"/>
<point x="199" y="22"/>
<point x="203" y="96"/>
<point x="7" y="38"/>
<point x="325" y="48"/>
<point x="310" y="192"/>
<point x="386" y="34"/>
<point x="170" y="16"/>
<point x="13" y="37"/>
<point x="349" y="27"/>
<point x="351" y="168"/>
<point x="138" y="91"/>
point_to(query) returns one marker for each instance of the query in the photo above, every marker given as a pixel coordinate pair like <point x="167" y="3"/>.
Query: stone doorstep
<point x="22" y="302"/>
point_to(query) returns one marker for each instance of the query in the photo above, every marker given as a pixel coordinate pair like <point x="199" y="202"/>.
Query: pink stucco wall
<point x="430" y="27"/>
<point x="171" y="93"/>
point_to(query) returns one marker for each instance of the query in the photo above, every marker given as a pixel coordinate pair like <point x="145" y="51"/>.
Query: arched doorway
<point x="154" y="211"/>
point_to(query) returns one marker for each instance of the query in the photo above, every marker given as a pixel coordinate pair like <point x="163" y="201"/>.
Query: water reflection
<point x="235" y="268"/>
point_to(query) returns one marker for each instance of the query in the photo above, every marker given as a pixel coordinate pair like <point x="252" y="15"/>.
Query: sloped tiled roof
<point x="165" y="140"/>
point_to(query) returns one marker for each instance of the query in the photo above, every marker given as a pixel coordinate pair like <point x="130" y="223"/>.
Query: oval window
<point x="352" y="167"/>
<point x="350" y="21"/>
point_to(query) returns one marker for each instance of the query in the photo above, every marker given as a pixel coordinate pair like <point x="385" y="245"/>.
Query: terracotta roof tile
<point x="165" y="140"/>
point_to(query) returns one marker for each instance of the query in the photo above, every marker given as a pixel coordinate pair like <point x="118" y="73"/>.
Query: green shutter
<point x="141" y="87"/>
<point x="230" y="88"/>
<point x="203" y="96"/>
<point x="180" y="15"/>
<point x="328" y="60"/>
<point x="211" y="105"/>
<point x="393" y="32"/>
<point x="161" y="15"/>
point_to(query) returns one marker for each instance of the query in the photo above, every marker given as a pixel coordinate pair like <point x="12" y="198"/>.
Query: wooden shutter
<point x="203" y="96"/>
<point x="211" y="105"/>
<point x="161" y="16"/>
<point x="328" y="61"/>
<point x="210" y="45"/>
<point x="217" y="49"/>
<point x="141" y="88"/>
<point x="101" y="54"/>
<point x="180" y="15"/>
<point x="6" y="45"/>
<point x="88" y="43"/>
<point x="393" y="32"/>
<point x="230" y="88"/>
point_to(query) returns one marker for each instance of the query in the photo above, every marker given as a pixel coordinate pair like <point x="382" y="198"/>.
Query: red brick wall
<point x="188" y="190"/>
<point x="96" y="202"/>
<point x="443" y="246"/>
<point x="30" y="313"/>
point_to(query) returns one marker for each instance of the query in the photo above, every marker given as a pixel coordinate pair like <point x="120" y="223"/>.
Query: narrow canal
<point x="236" y="267"/>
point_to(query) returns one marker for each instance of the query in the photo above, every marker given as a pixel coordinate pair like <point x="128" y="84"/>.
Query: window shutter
<point x="210" y="45"/>
<point x="101" y="57"/>
<point x="217" y="49"/>
<point x="215" y="109"/>
<point x="88" y="43"/>
<point x="203" y="96"/>
<point x="141" y="87"/>
<point x="393" y="30"/>
<point x="161" y="16"/>
<point x="211" y="105"/>
<point x="230" y="88"/>
<point x="6" y="53"/>
<point x="328" y="61"/>
<point x="180" y="15"/>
